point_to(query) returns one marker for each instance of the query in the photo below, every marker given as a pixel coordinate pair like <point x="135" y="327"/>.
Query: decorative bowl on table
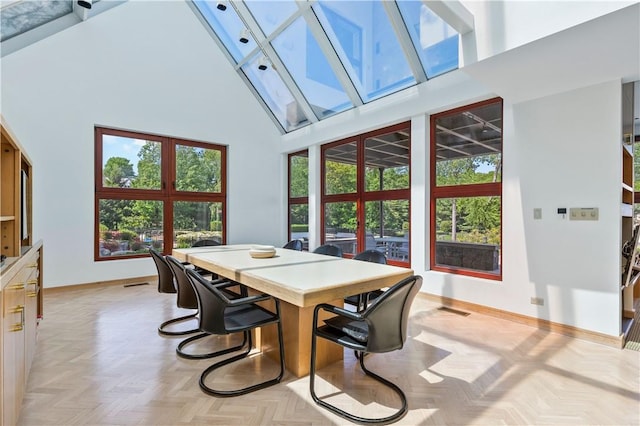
<point x="262" y="252"/>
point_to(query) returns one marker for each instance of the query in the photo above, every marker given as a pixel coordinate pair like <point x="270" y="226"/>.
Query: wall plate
<point x="583" y="213"/>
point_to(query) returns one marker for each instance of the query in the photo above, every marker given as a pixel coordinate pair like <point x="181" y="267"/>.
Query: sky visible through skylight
<point x="309" y="61"/>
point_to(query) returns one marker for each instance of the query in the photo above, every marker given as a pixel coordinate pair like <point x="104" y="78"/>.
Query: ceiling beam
<point x="453" y="13"/>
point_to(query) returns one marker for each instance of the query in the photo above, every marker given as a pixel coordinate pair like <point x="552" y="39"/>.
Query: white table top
<point x="300" y="278"/>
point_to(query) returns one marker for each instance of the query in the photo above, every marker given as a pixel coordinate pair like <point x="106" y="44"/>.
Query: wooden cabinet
<point x="20" y="277"/>
<point x="21" y="305"/>
<point x="15" y="194"/>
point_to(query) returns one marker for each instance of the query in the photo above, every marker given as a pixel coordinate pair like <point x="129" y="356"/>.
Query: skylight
<point x="307" y="61"/>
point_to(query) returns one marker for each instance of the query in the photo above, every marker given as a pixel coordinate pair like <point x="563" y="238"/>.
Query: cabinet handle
<point x="17" y="327"/>
<point x="32" y="265"/>
<point x="15" y="287"/>
<point x="32" y="294"/>
<point x="33" y="281"/>
<point x="16" y="309"/>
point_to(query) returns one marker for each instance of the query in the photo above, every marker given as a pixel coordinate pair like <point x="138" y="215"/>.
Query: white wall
<point x="144" y="66"/>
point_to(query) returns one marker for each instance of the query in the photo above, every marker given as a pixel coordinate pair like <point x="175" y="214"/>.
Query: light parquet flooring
<point x="100" y="361"/>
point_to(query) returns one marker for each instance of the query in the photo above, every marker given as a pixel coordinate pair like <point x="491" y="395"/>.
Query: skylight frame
<point x="417" y="69"/>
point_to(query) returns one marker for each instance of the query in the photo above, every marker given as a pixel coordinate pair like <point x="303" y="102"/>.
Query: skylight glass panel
<point x="274" y="93"/>
<point x="228" y="27"/>
<point x="435" y="41"/>
<point x="364" y="39"/>
<point x="22" y="16"/>
<point x="271" y="14"/>
<point x="299" y="51"/>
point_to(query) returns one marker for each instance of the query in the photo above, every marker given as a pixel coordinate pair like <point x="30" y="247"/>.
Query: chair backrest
<point x="186" y="294"/>
<point x="387" y="317"/>
<point x="371" y="256"/>
<point x="211" y="305"/>
<point x="329" y="250"/>
<point x="165" y="276"/>
<point x="294" y="245"/>
<point x="206" y="242"/>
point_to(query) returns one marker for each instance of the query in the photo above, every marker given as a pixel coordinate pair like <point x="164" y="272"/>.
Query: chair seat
<point x="237" y="318"/>
<point x="331" y="333"/>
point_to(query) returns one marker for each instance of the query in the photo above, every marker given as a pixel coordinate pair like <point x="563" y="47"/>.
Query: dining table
<point x="300" y="280"/>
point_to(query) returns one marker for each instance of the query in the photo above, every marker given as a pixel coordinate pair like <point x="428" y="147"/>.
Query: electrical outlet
<point x="537" y="301"/>
<point x="537" y="213"/>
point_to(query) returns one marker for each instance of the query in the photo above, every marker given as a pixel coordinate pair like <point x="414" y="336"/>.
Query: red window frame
<point x="291" y="201"/>
<point x="361" y="196"/>
<point x="457" y="191"/>
<point x="167" y="194"/>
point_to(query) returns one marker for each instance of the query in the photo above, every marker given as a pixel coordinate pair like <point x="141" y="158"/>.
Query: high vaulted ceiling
<point x="323" y="57"/>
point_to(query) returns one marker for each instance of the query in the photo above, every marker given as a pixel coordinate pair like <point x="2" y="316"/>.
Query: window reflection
<point x="307" y="65"/>
<point x="435" y="41"/>
<point x="362" y="34"/>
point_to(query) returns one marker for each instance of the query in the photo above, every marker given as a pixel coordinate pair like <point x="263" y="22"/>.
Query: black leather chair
<point x="166" y="284"/>
<point x="381" y="327"/>
<point x="187" y="299"/>
<point x="206" y="242"/>
<point x="294" y="245"/>
<point x="360" y="301"/>
<point x="221" y="315"/>
<point x="329" y="250"/>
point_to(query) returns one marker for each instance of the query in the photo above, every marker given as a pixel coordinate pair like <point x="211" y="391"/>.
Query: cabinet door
<point x="13" y="356"/>
<point x="32" y="288"/>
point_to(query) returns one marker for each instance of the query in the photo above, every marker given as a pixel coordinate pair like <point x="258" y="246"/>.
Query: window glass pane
<point x="299" y="175"/>
<point x="271" y="14"/>
<point x="340" y="169"/>
<point x="387" y="161"/>
<point x="130" y="163"/>
<point x="299" y="51"/>
<point x="299" y="223"/>
<point x="469" y="146"/>
<point x="275" y="94"/>
<point x="227" y="25"/>
<point x="198" y="169"/>
<point x="340" y="224"/>
<point x="435" y="41"/>
<point x="129" y="227"/>
<point x="21" y="16"/>
<point x="636" y="165"/>
<point x="468" y="233"/>
<point x="364" y="39"/>
<point x="196" y="220"/>
<point x="388" y="228"/>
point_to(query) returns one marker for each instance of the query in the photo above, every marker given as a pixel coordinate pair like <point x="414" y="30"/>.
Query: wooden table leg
<point x="296" y="327"/>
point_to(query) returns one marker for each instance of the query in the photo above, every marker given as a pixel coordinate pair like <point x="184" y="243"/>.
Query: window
<point x="309" y="60"/>
<point x="366" y="193"/>
<point x="299" y="197"/>
<point x="466" y="190"/>
<point x="156" y="191"/>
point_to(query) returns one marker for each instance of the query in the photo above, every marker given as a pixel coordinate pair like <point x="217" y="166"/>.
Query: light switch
<point x="537" y="213"/>
<point x="583" y="213"/>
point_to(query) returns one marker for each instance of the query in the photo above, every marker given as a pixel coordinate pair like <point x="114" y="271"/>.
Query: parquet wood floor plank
<point x="100" y="361"/>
